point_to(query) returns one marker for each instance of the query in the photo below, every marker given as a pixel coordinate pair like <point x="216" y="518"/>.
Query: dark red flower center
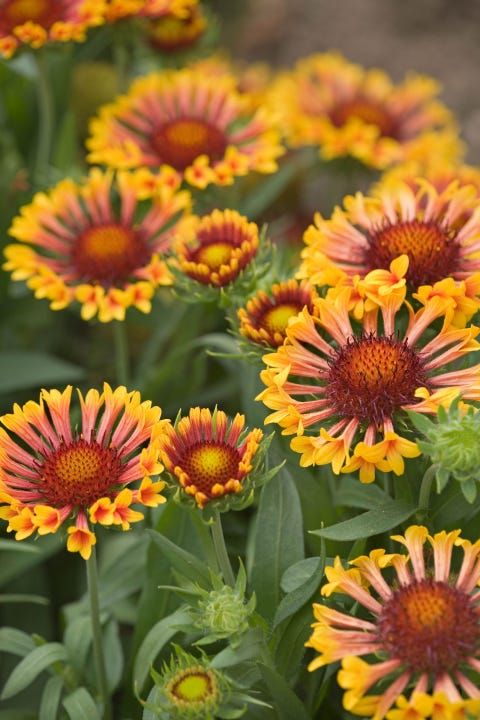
<point x="179" y="142"/>
<point x="370" y="377"/>
<point x="431" y="248"/>
<point x="369" y="111"/>
<point x="430" y="626"/>
<point x="109" y="253"/>
<point x="79" y="474"/>
<point x="210" y="463"/>
<point x="18" y="12"/>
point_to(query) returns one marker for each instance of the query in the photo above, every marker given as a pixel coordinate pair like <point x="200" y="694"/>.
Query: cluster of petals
<point x="422" y="632"/>
<point x="199" y="125"/>
<point x="437" y="229"/>
<point x="349" y="111"/>
<point x="93" y="242"/>
<point x="352" y="383"/>
<point x="53" y="472"/>
<point x="43" y="21"/>
<point x="173" y="33"/>
<point x="216" y="248"/>
<point x="209" y="455"/>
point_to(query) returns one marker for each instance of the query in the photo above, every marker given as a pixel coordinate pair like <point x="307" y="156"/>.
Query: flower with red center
<point x="349" y="111"/>
<point x="119" y="9"/>
<point x="351" y="385"/>
<point x="265" y="318"/>
<point x="198" y="125"/>
<point x="424" y="624"/>
<point x="55" y="470"/>
<point x="171" y="34"/>
<point x="211" y="457"/>
<point x="100" y="243"/>
<point x="439" y="174"/>
<point x="215" y="249"/>
<point x="437" y="230"/>
<point x="423" y="706"/>
<point x="36" y="22"/>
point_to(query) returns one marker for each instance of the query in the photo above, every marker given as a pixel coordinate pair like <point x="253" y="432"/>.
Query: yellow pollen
<point x="214" y="255"/>
<point x="77" y="465"/>
<point x="276" y="319"/>
<point x="189" y="133"/>
<point x="210" y="460"/>
<point x="20" y="11"/>
<point x="426" y="609"/>
<point x="108" y="241"/>
<point x="374" y="362"/>
<point x="193" y="688"/>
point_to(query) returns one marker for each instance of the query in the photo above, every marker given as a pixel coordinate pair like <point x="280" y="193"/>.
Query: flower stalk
<point x="98" y="654"/>
<point x="46" y="119"/>
<point x="221" y="550"/>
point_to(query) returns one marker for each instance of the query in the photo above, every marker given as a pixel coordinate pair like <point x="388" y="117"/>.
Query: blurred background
<point x="437" y="37"/>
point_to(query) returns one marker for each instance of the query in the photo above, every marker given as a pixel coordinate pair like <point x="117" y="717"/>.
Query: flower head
<point x="349" y="111"/>
<point x="171" y="33"/>
<point x="423" y="625"/>
<point x="98" y="242"/>
<point x="352" y="385"/>
<point x="216" y="249"/>
<point x="36" y="22"/>
<point x="265" y="318"/>
<point x="189" y="688"/>
<point x="53" y="473"/>
<point x="212" y="458"/>
<point x="119" y="9"/>
<point x="439" y="173"/>
<point x="198" y="125"/>
<point x="436" y="230"/>
<point x="453" y="444"/>
<point x="437" y="706"/>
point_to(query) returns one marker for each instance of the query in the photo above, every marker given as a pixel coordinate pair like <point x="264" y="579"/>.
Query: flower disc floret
<point x="198" y="125"/>
<point x="101" y="242"/>
<point x="53" y="472"/>
<point x="349" y="111"/>
<point x="37" y="22"/>
<point x="209" y="455"/>
<point x="423" y="625"/>
<point x="265" y="318"/>
<point x="120" y="9"/>
<point x="344" y="390"/>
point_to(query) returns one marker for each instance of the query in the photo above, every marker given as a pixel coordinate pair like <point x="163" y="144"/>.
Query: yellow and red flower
<point x="53" y="473"/>
<point x="171" y="33"/>
<point x="198" y="125"/>
<point x="437" y="706"/>
<point x="423" y="627"/>
<point x="36" y="22"/>
<point x="436" y="229"/>
<point x="439" y="174"/>
<point x="265" y="318"/>
<point x="95" y="244"/>
<point x="215" y="249"/>
<point x="211" y="456"/>
<point x="352" y="386"/>
<point x="349" y="111"/>
<point x="119" y="9"/>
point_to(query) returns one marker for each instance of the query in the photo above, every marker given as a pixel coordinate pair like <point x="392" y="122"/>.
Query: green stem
<point x="121" y="59"/>
<point x="99" y="658"/>
<point x="45" y="119"/>
<point x="425" y="489"/>
<point x="221" y="551"/>
<point x="121" y="352"/>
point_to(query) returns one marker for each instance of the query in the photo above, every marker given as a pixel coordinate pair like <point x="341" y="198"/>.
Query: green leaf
<point x="287" y="704"/>
<point x="297" y="574"/>
<point x="81" y="706"/>
<point x="31" y="666"/>
<point x="24" y="598"/>
<point x="383" y="518"/>
<point x="15" y="641"/>
<point x="20" y="370"/>
<point x="77" y="640"/>
<point x="16" y="564"/>
<point x="16" y="546"/>
<point x="469" y="490"/>
<point x="278" y="541"/>
<point x="154" y="641"/>
<point x="351" y="493"/>
<point x="184" y="562"/>
<point x="249" y="647"/>
<point x="291" y="643"/>
<point x="113" y="654"/>
<point x="51" y="696"/>
<point x="302" y="594"/>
